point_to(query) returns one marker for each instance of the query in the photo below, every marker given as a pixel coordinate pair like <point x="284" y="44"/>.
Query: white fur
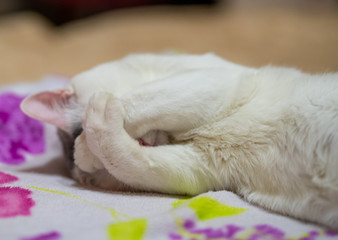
<point x="269" y="134"/>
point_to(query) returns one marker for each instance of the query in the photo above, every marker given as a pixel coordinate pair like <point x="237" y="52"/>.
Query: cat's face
<point x="62" y="109"/>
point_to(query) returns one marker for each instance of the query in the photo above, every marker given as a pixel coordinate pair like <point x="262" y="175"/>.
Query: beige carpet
<point x="306" y="38"/>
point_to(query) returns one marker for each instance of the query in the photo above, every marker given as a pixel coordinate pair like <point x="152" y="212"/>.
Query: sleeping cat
<point x="187" y="124"/>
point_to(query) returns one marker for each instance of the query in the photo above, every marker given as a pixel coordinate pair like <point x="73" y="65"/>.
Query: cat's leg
<point x="92" y="172"/>
<point x="170" y="168"/>
<point x="178" y="103"/>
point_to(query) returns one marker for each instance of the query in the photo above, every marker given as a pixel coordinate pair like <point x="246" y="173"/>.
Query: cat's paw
<point x="103" y="120"/>
<point x="84" y="159"/>
<point x="104" y="111"/>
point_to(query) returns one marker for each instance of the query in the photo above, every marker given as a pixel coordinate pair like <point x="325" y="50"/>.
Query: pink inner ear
<point x="48" y="106"/>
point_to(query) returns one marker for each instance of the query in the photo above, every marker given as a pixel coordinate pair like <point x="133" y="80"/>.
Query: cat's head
<point x="59" y="109"/>
<point x="62" y="109"/>
<point x="66" y="108"/>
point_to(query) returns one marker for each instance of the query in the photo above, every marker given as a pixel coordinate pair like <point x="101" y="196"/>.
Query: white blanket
<point x="39" y="200"/>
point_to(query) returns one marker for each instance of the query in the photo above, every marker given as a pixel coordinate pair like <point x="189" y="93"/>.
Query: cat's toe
<point x="95" y="113"/>
<point x="104" y="109"/>
<point x="105" y="113"/>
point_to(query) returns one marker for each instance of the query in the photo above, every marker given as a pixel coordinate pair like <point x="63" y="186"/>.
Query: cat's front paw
<point x="84" y="159"/>
<point x="103" y="121"/>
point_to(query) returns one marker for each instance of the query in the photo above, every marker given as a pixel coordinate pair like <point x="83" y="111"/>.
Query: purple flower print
<point x="267" y="232"/>
<point x="331" y="233"/>
<point x="226" y="232"/>
<point x="46" y="236"/>
<point x="233" y="232"/>
<point x="18" y="132"/>
<point x="175" y="236"/>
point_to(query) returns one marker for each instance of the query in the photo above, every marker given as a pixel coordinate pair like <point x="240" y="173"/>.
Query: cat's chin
<point x="100" y="179"/>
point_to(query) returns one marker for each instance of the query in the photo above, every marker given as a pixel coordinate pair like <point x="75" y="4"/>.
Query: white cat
<point x="187" y="124"/>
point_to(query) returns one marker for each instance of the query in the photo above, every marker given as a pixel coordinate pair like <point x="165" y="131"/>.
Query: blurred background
<point x="42" y="37"/>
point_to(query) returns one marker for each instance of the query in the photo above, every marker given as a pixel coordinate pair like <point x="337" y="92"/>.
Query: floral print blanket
<point x="39" y="201"/>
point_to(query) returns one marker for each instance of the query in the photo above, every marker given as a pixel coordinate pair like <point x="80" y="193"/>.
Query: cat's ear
<point x="48" y="106"/>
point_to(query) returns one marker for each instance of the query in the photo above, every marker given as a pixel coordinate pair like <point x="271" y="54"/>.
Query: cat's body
<point x="269" y="134"/>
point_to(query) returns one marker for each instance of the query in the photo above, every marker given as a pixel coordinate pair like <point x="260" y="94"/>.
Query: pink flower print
<point x="15" y="201"/>
<point x="18" y="132"/>
<point x="6" y="178"/>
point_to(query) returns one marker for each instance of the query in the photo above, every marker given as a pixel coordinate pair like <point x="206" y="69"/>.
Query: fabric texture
<point x="39" y="200"/>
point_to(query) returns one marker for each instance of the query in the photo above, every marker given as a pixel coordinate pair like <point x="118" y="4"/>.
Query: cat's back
<point x="317" y="128"/>
<point x="280" y="119"/>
